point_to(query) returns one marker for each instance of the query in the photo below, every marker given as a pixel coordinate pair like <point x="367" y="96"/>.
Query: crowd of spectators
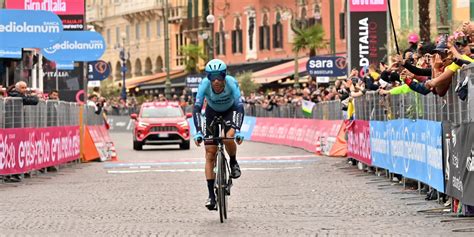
<point x="424" y="67"/>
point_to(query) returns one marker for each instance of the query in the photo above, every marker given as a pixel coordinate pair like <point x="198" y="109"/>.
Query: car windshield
<point x="161" y="112"/>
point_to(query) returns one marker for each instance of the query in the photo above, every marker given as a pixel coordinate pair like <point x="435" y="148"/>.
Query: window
<point x="237" y="37"/>
<point x="127" y="33"/>
<point x="449" y="8"/>
<point x="316" y="18"/>
<point x="220" y="39"/>
<point x="471" y="9"/>
<point x="108" y="36"/>
<point x="117" y="35"/>
<point x="148" y="30"/>
<point x="406" y="14"/>
<point x="137" y="31"/>
<point x="278" y="32"/>
<point x="264" y="33"/>
<point x="158" y="28"/>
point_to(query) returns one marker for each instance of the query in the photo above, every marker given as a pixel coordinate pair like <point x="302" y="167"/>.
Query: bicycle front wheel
<point x="221" y="186"/>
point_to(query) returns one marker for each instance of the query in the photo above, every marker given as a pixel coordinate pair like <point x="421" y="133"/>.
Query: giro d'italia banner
<point x="71" y="12"/>
<point x="459" y="166"/>
<point x="26" y="149"/>
<point x="367" y="32"/>
<point x="410" y="148"/>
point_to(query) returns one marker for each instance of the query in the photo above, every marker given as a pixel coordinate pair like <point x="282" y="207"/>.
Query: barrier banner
<point x="26" y="149"/>
<point x="380" y="145"/>
<point x="100" y="137"/>
<point x="358" y="141"/>
<point x="302" y="133"/>
<point x="411" y="148"/>
<point x="248" y="126"/>
<point x="460" y="168"/>
<point x="120" y="123"/>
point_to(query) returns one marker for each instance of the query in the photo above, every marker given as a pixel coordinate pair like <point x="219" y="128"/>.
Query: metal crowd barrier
<point x="413" y="105"/>
<point x="45" y="114"/>
<point x="328" y="110"/>
<point x="92" y="118"/>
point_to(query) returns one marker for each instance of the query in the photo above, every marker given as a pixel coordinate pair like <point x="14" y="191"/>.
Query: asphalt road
<point x="283" y="191"/>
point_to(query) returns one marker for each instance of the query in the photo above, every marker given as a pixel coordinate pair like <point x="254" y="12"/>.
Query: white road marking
<point x="190" y="170"/>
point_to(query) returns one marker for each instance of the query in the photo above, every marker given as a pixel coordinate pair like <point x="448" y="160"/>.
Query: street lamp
<point x="123" y="57"/>
<point x="210" y="20"/>
<point x="167" y="52"/>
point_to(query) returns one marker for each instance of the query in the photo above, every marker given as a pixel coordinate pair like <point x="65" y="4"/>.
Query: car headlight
<point x="183" y="124"/>
<point x="142" y="124"/>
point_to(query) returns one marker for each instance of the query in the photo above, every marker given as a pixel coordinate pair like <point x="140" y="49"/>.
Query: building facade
<point x="260" y="30"/>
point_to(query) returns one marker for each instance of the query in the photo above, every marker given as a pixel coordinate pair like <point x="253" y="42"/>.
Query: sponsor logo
<point x="47" y="5"/>
<point x="67" y="45"/>
<point x="24" y="27"/>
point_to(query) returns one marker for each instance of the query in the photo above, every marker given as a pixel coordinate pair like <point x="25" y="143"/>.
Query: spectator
<point x="20" y="90"/>
<point x="53" y="95"/>
<point x="96" y="91"/>
<point x="93" y="101"/>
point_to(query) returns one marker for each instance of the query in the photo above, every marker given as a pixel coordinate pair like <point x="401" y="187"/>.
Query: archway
<point x="148" y="67"/>
<point x="159" y="65"/>
<point x="138" y="67"/>
<point x="118" y="71"/>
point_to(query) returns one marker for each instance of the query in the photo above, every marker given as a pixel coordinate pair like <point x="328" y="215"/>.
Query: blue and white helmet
<point x="216" y="66"/>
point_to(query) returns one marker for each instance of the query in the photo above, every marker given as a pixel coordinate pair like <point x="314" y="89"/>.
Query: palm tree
<point x="424" y="13"/>
<point x="311" y="38"/>
<point x="192" y="53"/>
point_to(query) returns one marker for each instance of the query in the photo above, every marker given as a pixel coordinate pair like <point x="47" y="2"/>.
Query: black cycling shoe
<point x="235" y="171"/>
<point x="211" y="204"/>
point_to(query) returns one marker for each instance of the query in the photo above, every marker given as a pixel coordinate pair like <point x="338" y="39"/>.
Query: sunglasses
<point x="216" y="76"/>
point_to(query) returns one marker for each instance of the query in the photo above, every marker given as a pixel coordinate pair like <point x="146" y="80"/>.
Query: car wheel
<point x="138" y="146"/>
<point x="184" y="145"/>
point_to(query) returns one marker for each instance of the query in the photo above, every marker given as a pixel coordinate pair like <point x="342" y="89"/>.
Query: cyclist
<point x="222" y="93"/>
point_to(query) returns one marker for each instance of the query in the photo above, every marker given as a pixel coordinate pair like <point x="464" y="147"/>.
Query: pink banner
<point x="358" y="141"/>
<point x="26" y="149"/>
<point x="368" y="5"/>
<point x="302" y="133"/>
<point x="60" y="7"/>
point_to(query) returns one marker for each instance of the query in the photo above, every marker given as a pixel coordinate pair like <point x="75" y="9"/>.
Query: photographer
<point x="21" y="90"/>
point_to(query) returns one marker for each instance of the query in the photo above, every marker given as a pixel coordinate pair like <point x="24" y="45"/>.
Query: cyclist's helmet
<point x="216" y="69"/>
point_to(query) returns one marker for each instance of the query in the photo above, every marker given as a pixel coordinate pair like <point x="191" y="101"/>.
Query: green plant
<point x="192" y="53"/>
<point x="311" y="38"/>
<point x="247" y="85"/>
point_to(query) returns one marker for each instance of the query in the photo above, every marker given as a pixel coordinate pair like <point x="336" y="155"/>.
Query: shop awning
<point x="177" y="80"/>
<point x="278" y="72"/>
<point x="137" y="81"/>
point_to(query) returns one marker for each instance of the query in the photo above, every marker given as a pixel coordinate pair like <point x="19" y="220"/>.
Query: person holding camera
<point x="21" y="90"/>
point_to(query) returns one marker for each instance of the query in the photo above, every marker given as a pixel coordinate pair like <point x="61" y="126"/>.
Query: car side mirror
<point x="189" y="115"/>
<point x="133" y="116"/>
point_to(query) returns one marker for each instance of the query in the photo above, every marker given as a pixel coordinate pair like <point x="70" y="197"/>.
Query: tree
<point x="247" y="85"/>
<point x="424" y="13"/>
<point x="311" y="38"/>
<point x="192" y="53"/>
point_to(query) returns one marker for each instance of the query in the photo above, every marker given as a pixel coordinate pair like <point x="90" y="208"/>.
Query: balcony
<point x="137" y="6"/>
<point x="94" y="14"/>
<point x="177" y="14"/>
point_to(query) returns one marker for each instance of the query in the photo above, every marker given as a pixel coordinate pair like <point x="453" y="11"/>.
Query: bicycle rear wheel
<point x="221" y="186"/>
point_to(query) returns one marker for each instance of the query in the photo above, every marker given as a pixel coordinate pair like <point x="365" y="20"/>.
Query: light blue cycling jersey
<point x="219" y="102"/>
